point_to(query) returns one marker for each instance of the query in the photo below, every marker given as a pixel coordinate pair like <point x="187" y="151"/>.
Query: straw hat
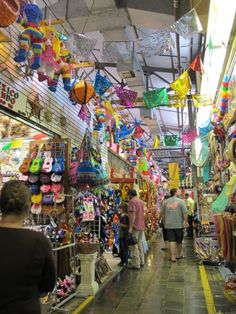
<point x="231" y="151"/>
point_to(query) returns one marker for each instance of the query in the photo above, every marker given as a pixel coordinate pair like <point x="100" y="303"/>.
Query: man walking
<point x="190" y="212"/>
<point x="174" y="214"/>
<point x="137" y="227"/>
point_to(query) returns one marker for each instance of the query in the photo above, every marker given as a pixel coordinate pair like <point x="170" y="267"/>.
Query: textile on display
<point x="173" y="175"/>
<point x="221" y="202"/>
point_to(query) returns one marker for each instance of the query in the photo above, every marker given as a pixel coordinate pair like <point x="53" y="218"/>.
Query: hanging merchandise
<point x="90" y="171"/>
<point x="171" y="140"/>
<point x="81" y="45"/>
<point x="9" y="11"/>
<point x="182" y="84"/>
<point x="84" y="114"/>
<point x="173" y="175"/>
<point x="156" y="98"/>
<point x="200" y="100"/>
<point x="229" y="118"/>
<point x="100" y="115"/>
<point x="188" y="25"/>
<point x="64" y="69"/>
<point x="82" y="92"/>
<point x="189" y="136"/>
<point x="127" y="97"/>
<point x="50" y="55"/>
<point x="231" y="150"/>
<point x="31" y="37"/>
<point x="224" y="98"/>
<point x="138" y="131"/>
<point x="156" y="43"/>
<point x="101" y="84"/>
<point x="142" y="164"/>
<point x="197" y="65"/>
<point x="205" y="128"/>
<point x="109" y="109"/>
<point x="177" y="102"/>
<point x="114" y="51"/>
<point x="221" y="202"/>
<point x="156" y="142"/>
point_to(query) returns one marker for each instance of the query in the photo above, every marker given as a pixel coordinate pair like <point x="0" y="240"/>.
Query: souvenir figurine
<point x="50" y="55"/>
<point x="31" y="37"/>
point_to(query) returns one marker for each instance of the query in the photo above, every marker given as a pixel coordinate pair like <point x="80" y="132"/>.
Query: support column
<point x="88" y="285"/>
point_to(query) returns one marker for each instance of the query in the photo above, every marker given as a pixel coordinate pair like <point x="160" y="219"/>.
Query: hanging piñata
<point x="189" y="136"/>
<point x="31" y="38"/>
<point x="84" y="114"/>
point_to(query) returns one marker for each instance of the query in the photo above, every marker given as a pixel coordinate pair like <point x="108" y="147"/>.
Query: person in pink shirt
<point x="137" y="227"/>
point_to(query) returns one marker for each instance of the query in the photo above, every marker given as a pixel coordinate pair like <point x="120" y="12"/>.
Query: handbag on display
<point x="48" y="199"/>
<point x="56" y="178"/>
<point x="132" y="240"/>
<point x="34" y="188"/>
<point x="36" y="198"/>
<point x="33" y="178"/>
<point x="45" y="178"/>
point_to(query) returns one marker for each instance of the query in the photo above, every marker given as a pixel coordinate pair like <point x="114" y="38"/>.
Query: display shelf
<point x="63" y="247"/>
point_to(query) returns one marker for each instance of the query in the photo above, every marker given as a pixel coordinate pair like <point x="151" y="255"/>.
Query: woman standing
<point x="27" y="268"/>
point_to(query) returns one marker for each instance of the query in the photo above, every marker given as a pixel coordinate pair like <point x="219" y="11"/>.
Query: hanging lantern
<point x="82" y="92"/>
<point x="9" y="11"/>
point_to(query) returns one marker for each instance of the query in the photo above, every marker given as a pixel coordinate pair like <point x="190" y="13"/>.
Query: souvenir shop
<point x="215" y="162"/>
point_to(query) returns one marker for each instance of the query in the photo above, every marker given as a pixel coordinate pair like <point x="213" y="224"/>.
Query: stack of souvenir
<point x="43" y="170"/>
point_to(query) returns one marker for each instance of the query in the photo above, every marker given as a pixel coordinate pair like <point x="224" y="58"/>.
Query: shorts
<point x="175" y="235"/>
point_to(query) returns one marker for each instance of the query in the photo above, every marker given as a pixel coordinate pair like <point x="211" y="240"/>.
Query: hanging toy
<point x="82" y="92"/>
<point x="31" y="37"/>
<point x="50" y="56"/>
<point x="100" y="115"/>
<point x="64" y="69"/>
<point x="9" y="11"/>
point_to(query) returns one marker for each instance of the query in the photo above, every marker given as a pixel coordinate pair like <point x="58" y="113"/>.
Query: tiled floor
<point x="161" y="287"/>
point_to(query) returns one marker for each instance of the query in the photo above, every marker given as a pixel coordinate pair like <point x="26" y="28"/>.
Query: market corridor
<point x="162" y="287"/>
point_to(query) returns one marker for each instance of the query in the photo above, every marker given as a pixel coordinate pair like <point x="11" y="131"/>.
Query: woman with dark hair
<point x="27" y="268"/>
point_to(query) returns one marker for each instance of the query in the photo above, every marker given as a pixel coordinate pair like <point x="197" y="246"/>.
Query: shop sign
<point x="8" y="95"/>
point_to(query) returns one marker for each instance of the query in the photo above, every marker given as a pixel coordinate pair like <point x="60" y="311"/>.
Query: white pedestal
<point x="88" y="285"/>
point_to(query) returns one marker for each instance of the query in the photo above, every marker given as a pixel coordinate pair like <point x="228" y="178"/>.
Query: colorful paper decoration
<point x="81" y="45"/>
<point x="200" y="100"/>
<point x="82" y="92"/>
<point x="189" y="136"/>
<point x="9" y="11"/>
<point x="197" y="65"/>
<point x="173" y="175"/>
<point x="118" y="51"/>
<point x="138" y="132"/>
<point x="127" y="96"/>
<point x="182" y="84"/>
<point x="176" y="102"/>
<point x="109" y="110"/>
<point x="101" y="84"/>
<point x="84" y="114"/>
<point x="171" y="140"/>
<point x="156" y="43"/>
<point x="155" y="98"/>
<point x="39" y="136"/>
<point x="188" y="25"/>
<point x="156" y="142"/>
